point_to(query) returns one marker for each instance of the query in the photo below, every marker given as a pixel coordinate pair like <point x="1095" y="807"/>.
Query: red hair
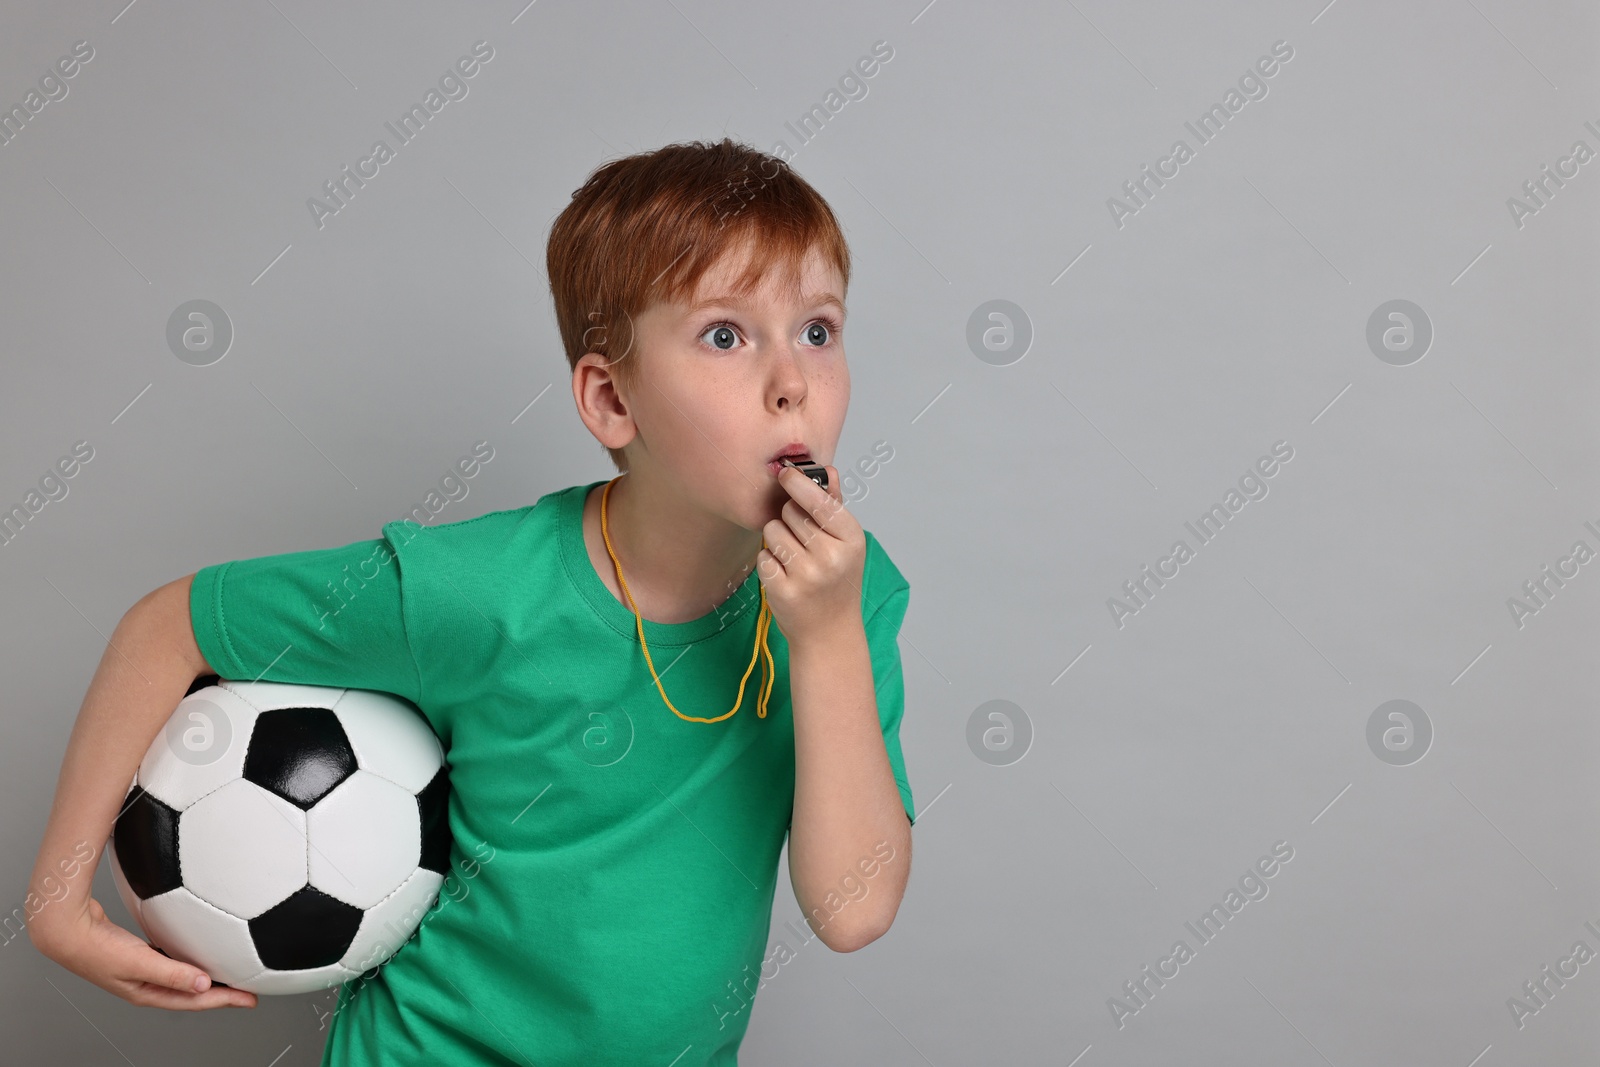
<point x="646" y="227"/>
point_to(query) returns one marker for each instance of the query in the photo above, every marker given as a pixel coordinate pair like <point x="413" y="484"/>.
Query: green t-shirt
<point x="613" y="866"/>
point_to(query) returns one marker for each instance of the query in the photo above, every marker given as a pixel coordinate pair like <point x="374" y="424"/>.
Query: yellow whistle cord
<point x="763" y="621"/>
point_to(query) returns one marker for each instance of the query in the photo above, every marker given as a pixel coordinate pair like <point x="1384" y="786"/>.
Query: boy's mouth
<point x="796" y="453"/>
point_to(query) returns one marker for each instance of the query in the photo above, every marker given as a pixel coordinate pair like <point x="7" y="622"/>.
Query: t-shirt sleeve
<point x="332" y="616"/>
<point x="885" y="596"/>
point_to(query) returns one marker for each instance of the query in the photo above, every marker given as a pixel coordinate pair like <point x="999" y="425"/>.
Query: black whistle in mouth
<point x="804" y="464"/>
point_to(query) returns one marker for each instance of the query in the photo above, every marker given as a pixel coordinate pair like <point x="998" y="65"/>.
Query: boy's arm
<point x="149" y="666"/>
<point x="852" y="814"/>
<point x="848" y="819"/>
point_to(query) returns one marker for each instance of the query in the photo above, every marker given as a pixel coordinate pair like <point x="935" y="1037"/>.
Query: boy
<point x="578" y="659"/>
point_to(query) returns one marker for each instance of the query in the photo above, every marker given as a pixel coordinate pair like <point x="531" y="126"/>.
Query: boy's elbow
<point x="854" y="938"/>
<point x="859" y="926"/>
<point x="855" y="942"/>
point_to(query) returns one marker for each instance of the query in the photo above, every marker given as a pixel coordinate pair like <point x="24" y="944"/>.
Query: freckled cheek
<point x="706" y="427"/>
<point x="833" y="389"/>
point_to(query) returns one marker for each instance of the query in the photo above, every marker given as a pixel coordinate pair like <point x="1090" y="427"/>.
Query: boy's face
<point x="722" y="388"/>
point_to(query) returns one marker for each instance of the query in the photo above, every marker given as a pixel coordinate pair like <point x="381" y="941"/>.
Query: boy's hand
<point x="811" y="568"/>
<point x="93" y="947"/>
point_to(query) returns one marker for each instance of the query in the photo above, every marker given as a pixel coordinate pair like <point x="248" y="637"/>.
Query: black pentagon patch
<point x="433" y="805"/>
<point x="299" y="753"/>
<point x="310" y="929"/>
<point x="145" y="838"/>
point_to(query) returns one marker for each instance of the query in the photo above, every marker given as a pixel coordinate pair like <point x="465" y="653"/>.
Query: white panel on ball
<point x="365" y="839"/>
<point x="201" y="748"/>
<point x="253" y="844"/>
<point x="191" y="930"/>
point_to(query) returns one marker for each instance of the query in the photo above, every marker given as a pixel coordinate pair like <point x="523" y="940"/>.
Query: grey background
<point x="1228" y="314"/>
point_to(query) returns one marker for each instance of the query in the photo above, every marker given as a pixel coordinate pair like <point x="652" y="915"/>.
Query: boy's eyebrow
<point x="731" y="301"/>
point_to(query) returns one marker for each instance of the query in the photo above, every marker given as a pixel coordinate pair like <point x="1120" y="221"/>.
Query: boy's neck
<point x="680" y="562"/>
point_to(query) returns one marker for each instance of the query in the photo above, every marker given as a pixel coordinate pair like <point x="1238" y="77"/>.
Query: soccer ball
<point x="284" y="838"/>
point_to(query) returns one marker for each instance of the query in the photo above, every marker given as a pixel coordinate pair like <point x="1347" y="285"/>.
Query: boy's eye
<point x="818" y="327"/>
<point x="817" y="334"/>
<point x="722" y="336"/>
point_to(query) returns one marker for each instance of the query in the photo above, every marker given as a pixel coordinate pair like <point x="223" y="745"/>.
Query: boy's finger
<point x="821" y="504"/>
<point x="829" y="511"/>
<point x="156" y="996"/>
<point x="781" y="541"/>
<point x="800" y="523"/>
<point x="833" y="482"/>
<point x="147" y="964"/>
<point x="767" y="566"/>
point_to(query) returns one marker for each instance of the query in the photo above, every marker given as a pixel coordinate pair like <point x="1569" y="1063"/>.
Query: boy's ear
<point x="600" y="405"/>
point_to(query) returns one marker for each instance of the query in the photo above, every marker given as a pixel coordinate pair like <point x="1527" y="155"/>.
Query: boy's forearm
<point x="847" y="807"/>
<point x="143" y="674"/>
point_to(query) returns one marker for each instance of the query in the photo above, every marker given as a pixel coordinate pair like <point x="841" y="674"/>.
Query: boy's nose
<point x="787" y="385"/>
